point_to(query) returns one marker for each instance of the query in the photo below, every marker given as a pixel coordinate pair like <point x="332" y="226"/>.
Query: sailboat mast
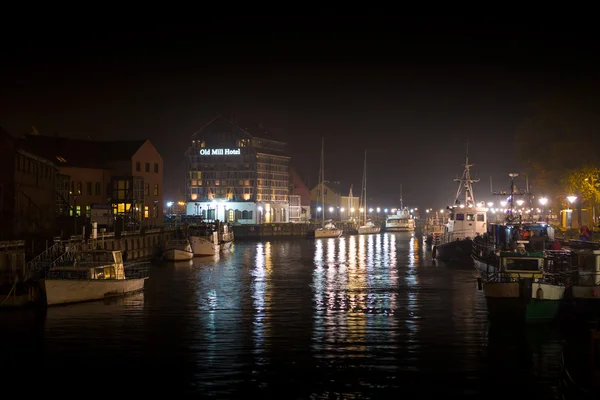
<point x="323" y="178"/>
<point x="365" y="190"/>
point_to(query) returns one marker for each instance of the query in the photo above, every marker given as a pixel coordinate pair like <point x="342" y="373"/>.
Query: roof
<point x="19" y="144"/>
<point x="81" y="153"/>
<point x="252" y="129"/>
<point x="335" y="186"/>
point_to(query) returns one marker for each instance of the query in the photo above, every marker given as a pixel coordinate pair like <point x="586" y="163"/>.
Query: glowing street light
<point x="571" y="199"/>
<point x="490" y="204"/>
<point x="330" y="209"/>
<point x="543" y="201"/>
<point x="503" y="203"/>
<point x="520" y="202"/>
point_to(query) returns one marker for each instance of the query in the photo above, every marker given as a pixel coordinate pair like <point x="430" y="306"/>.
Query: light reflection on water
<point x="367" y="315"/>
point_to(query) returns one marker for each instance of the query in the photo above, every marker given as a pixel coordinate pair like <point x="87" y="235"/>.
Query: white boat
<point x="466" y="220"/>
<point x="205" y="245"/>
<point x="204" y="239"/>
<point x="367" y="227"/>
<point x="328" y="229"/>
<point x="178" y="250"/>
<point x="402" y="221"/>
<point x="94" y="275"/>
<point x="225" y="237"/>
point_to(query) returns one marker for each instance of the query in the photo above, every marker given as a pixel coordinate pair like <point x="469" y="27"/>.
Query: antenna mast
<point x="465" y="182"/>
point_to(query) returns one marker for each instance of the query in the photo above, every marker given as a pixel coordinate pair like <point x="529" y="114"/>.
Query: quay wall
<point x="259" y="231"/>
<point x="15" y="265"/>
<point x="135" y="245"/>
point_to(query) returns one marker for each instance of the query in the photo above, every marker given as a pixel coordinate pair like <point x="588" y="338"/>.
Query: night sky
<point x="408" y="90"/>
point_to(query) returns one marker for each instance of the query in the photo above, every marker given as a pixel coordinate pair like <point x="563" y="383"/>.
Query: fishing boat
<point x="433" y="229"/>
<point x="516" y="276"/>
<point x="466" y="219"/>
<point x="93" y="275"/>
<point x="367" y="227"/>
<point x="327" y="229"/>
<point x="583" y="294"/>
<point x="178" y="250"/>
<point x="204" y="239"/>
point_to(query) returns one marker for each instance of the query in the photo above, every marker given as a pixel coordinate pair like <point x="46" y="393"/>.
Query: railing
<point x="98" y="271"/>
<point x="137" y="270"/>
<point x="73" y="248"/>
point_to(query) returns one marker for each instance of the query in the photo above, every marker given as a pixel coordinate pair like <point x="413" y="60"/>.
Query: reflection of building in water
<point x="262" y="295"/>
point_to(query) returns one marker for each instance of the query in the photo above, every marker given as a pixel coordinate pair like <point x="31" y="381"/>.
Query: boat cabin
<point x="535" y="236"/>
<point x="464" y="222"/>
<point x="93" y="264"/>
<point x="588" y="266"/>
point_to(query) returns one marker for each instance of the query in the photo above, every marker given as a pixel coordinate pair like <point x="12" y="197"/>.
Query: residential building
<point x="349" y="207"/>
<point x="27" y="190"/>
<point x="299" y="198"/>
<point x="124" y="177"/>
<point x="331" y="194"/>
<point x="237" y="172"/>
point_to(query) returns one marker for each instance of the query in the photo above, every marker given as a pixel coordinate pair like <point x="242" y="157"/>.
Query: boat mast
<point x="401" y="204"/>
<point x="322" y="178"/>
<point x="364" y="193"/>
<point x="465" y="182"/>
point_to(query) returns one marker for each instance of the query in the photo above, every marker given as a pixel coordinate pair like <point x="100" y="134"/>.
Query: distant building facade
<point x="299" y="198"/>
<point x="122" y="178"/>
<point x="237" y="174"/>
<point x="27" y="190"/>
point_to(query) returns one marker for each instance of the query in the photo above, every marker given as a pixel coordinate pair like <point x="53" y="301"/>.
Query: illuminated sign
<point x="220" y="152"/>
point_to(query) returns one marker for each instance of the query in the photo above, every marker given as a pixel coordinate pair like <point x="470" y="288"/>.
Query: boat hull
<point x="584" y="301"/>
<point x="328" y="233"/>
<point x="67" y="291"/>
<point x="397" y="229"/>
<point x="514" y="301"/>
<point x="458" y="251"/>
<point x="178" y="255"/>
<point x="202" y="246"/>
<point x="226" y="245"/>
<point x="483" y="266"/>
<point x="366" y="230"/>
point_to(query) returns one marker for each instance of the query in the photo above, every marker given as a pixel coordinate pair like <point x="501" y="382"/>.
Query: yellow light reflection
<point x="412" y="286"/>
<point x="262" y="296"/>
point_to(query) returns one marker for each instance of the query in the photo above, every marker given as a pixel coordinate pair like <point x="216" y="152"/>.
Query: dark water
<point x="355" y="317"/>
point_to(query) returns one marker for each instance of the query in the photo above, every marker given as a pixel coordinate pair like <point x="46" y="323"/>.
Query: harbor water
<point x="369" y="316"/>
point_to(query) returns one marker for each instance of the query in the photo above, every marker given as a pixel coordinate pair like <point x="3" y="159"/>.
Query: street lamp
<point x="490" y="204"/>
<point x="543" y="201"/>
<point x="520" y="202"/>
<point x="571" y="199"/>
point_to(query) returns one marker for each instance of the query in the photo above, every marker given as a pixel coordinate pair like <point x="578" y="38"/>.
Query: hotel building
<point x="237" y="173"/>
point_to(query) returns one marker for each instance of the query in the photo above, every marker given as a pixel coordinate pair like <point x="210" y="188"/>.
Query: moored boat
<point x="367" y="227"/>
<point x="178" y="250"/>
<point x="327" y="229"/>
<point x="466" y="219"/>
<point x="583" y="293"/>
<point x="94" y="275"/>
